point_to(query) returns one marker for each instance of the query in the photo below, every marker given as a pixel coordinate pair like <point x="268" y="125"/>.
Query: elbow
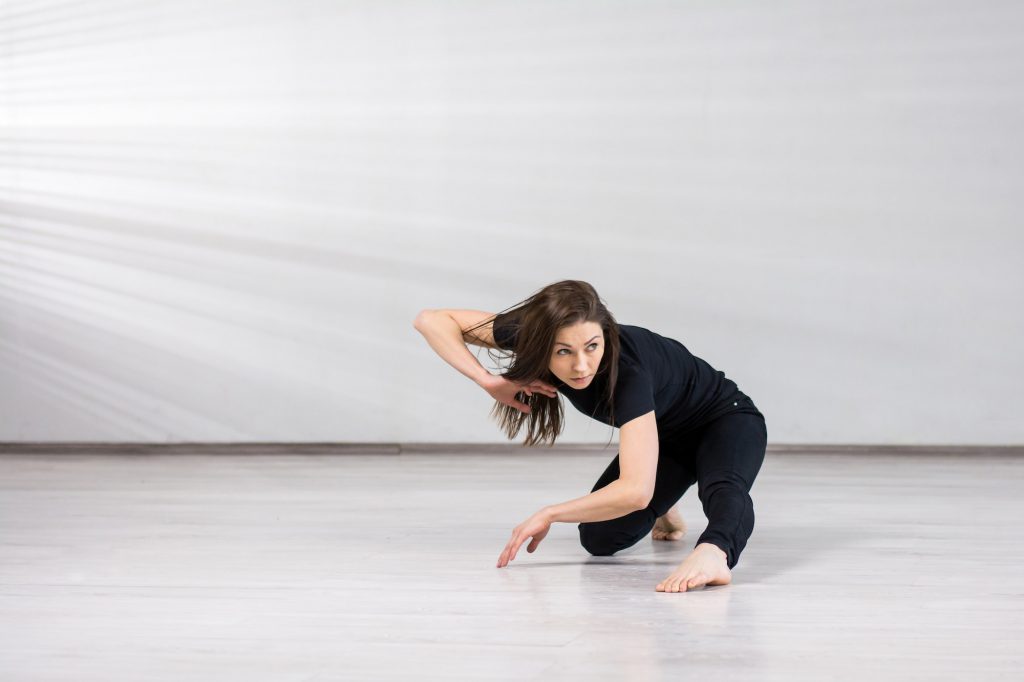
<point x="641" y="498"/>
<point x="421" y="317"/>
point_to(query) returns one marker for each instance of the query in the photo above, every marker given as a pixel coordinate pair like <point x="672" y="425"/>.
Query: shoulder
<point x="634" y="391"/>
<point x="641" y="342"/>
<point x="505" y="330"/>
<point x="633" y="331"/>
<point x="634" y="343"/>
<point x="633" y="337"/>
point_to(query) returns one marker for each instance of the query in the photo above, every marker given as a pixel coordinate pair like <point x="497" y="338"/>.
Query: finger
<point x="550" y="390"/>
<point x="503" y="559"/>
<point x="523" y="407"/>
<point x="539" y="386"/>
<point x="515" y="548"/>
<point x="510" y="548"/>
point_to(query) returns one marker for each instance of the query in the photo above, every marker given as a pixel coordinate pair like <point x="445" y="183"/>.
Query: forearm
<point x="445" y="336"/>
<point x="610" y="502"/>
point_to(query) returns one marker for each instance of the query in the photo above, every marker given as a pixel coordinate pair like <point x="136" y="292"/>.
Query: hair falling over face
<point x="534" y="325"/>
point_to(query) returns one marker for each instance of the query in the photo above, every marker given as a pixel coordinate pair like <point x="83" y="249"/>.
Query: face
<point x="577" y="353"/>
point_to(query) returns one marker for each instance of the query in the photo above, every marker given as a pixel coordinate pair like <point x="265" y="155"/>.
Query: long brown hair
<point x="535" y="323"/>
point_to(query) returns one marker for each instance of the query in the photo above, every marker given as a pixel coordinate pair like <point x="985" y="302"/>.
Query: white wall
<point x="218" y="219"/>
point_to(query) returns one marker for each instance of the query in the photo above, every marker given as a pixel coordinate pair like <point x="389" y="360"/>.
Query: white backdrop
<point x="218" y="219"/>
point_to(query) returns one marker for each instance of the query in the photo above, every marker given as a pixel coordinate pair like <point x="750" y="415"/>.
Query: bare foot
<point x="670" y="526"/>
<point x="706" y="565"/>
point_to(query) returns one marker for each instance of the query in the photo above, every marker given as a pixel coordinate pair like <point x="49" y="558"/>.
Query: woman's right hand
<point x="505" y="391"/>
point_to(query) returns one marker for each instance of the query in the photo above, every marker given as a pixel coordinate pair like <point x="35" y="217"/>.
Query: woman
<point x="680" y="421"/>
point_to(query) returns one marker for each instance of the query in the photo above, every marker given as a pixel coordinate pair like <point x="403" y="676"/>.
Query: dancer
<point x="680" y="421"/>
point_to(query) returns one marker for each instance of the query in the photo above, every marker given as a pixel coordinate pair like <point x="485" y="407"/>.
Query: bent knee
<point x="594" y="542"/>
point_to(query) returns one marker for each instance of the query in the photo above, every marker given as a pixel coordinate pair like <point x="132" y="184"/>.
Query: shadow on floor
<point x="769" y="553"/>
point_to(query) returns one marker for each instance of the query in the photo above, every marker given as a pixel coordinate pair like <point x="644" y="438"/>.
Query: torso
<point x="660" y="373"/>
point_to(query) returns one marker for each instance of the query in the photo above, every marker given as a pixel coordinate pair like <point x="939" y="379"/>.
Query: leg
<point x="728" y="458"/>
<point x="603" y="538"/>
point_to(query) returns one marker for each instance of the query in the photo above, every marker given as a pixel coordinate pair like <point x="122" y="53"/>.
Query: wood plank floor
<point x="315" y="568"/>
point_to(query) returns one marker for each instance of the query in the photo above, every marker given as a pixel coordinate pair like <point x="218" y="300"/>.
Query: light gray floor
<point x="318" y="568"/>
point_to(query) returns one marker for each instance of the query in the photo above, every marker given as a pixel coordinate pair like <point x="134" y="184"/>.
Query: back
<point x="688" y="391"/>
<point x="655" y="372"/>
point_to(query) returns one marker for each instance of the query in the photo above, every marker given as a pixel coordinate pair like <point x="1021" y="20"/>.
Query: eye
<point x="559" y="352"/>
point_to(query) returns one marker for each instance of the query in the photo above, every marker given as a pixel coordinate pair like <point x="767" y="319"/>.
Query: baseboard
<point x="77" y="448"/>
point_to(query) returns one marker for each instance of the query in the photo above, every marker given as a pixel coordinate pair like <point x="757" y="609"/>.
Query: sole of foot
<point x="669" y="527"/>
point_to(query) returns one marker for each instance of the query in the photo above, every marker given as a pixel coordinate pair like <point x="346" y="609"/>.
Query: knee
<point x="593" y="541"/>
<point x="727" y="482"/>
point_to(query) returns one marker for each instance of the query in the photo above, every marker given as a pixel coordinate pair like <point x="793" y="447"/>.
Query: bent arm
<point x="444" y="335"/>
<point x="616" y="499"/>
<point x="633" y="489"/>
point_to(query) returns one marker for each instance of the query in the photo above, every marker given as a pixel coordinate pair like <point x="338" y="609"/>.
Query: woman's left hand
<point x="537" y="526"/>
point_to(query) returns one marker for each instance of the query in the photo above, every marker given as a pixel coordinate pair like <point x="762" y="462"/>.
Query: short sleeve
<point x="634" y="394"/>
<point x="505" y="331"/>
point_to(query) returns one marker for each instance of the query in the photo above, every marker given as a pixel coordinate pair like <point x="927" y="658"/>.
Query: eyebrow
<point x="588" y="342"/>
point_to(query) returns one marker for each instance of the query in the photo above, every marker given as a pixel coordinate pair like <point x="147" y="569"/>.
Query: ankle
<point x="715" y="547"/>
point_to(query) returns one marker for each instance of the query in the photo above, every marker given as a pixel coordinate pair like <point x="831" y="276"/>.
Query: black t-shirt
<point x="655" y="373"/>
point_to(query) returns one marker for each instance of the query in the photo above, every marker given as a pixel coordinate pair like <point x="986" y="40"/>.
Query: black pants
<point x="722" y="457"/>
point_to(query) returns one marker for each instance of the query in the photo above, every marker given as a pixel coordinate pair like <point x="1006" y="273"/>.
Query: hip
<point x="737" y="404"/>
